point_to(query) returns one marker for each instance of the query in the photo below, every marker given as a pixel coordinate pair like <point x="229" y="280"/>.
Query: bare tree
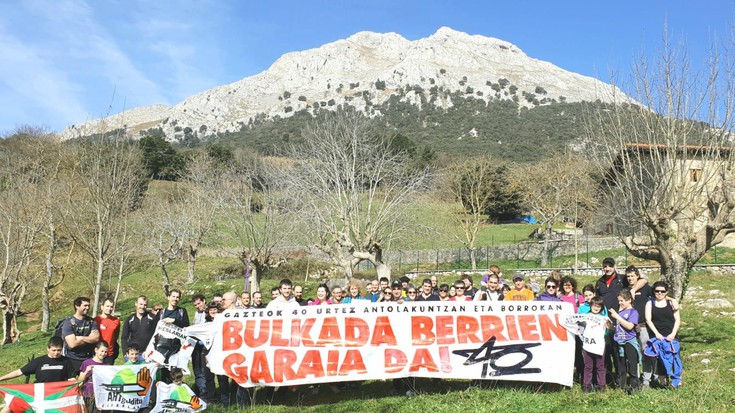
<point x="56" y="158"/>
<point x="108" y="183"/>
<point x="258" y="216"/>
<point x="22" y="217"/>
<point x="199" y="202"/>
<point x="668" y="159"/>
<point x="352" y="188"/>
<point x="468" y="183"/>
<point x="163" y="232"/>
<point x="555" y="189"/>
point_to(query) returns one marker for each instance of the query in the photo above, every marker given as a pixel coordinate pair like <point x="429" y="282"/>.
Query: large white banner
<point x="177" y="398"/>
<point x="590" y="328"/>
<point x="126" y="388"/>
<point x="520" y="341"/>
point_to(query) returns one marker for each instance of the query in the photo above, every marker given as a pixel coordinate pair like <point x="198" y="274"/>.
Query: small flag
<point x="52" y="397"/>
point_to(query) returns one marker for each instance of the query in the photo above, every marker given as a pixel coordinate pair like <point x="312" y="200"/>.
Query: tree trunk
<point x="166" y="279"/>
<point x="382" y="269"/>
<point x="11" y="334"/>
<point x="46" y="292"/>
<point x="254" y="281"/>
<point x="191" y="261"/>
<point x="675" y="272"/>
<point x="347" y="266"/>
<point x="473" y="257"/>
<point x="98" y="284"/>
<point x="120" y="270"/>
<point x="544" y="253"/>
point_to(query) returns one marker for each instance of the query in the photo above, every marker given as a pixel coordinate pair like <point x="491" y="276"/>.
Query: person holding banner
<point x="427" y="293"/>
<point x="51" y="367"/>
<point x="459" y="288"/>
<point x="386" y="295"/>
<point x="257" y="300"/>
<point x="354" y="290"/>
<point x="491" y="291"/>
<point x="397" y="292"/>
<point x="336" y="297"/>
<point x="373" y="291"/>
<point x="322" y="295"/>
<point x="551" y="293"/>
<point x="519" y="292"/>
<point x="100" y="352"/>
<point x="594" y="364"/>
<point x="444" y="292"/>
<point x="245" y="299"/>
<point x="284" y="298"/>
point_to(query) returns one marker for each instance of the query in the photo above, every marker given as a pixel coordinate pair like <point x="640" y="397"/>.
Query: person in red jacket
<point x="109" y="326"/>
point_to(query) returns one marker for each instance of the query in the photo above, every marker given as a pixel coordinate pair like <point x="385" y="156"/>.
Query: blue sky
<point x="67" y="61"/>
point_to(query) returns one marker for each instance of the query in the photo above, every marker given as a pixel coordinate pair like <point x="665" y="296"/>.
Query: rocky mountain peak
<point x="362" y="70"/>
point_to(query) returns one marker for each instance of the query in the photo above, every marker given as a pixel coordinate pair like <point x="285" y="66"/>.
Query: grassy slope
<point x="707" y="387"/>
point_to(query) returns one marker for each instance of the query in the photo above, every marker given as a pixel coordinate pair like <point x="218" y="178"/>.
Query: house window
<point x="695" y="175"/>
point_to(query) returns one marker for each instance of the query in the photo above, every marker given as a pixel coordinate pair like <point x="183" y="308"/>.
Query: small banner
<point x="58" y="396"/>
<point x="126" y="388"/>
<point x="177" y="398"/>
<point x="590" y="328"/>
<point x="316" y="344"/>
<point x="170" y="346"/>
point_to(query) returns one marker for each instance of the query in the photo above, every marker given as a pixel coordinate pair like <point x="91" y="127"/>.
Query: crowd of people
<point x="641" y="344"/>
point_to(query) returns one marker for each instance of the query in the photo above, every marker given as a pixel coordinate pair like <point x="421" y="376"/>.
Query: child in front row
<point x="132" y="356"/>
<point x="594" y="365"/>
<point x="629" y="351"/>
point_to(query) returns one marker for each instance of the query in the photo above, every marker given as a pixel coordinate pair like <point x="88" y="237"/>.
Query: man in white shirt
<point x="284" y="298"/>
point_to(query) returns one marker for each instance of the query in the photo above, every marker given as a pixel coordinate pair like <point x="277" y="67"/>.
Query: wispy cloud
<point x="33" y="90"/>
<point x="102" y="67"/>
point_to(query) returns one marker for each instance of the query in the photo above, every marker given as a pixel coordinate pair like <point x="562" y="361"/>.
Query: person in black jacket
<point x="138" y="328"/>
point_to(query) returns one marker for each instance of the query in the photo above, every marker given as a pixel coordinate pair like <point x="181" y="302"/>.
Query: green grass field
<point x="707" y="336"/>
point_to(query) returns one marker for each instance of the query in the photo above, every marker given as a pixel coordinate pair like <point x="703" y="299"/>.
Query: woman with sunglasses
<point x="411" y="293"/>
<point x="459" y="289"/>
<point x="663" y="320"/>
<point x="552" y="291"/>
<point x="444" y="292"/>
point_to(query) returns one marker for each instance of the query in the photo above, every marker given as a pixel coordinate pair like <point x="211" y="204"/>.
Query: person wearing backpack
<point x="80" y="334"/>
<point x="172" y="314"/>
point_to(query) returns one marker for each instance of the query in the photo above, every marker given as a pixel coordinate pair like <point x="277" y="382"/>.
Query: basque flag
<point x="53" y="397"/>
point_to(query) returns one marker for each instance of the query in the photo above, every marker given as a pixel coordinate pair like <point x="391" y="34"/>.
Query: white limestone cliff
<point x="342" y="71"/>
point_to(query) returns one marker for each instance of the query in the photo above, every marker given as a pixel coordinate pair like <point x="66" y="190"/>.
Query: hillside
<point x="413" y="85"/>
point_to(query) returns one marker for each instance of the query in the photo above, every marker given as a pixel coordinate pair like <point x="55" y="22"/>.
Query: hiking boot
<point x="633" y="387"/>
